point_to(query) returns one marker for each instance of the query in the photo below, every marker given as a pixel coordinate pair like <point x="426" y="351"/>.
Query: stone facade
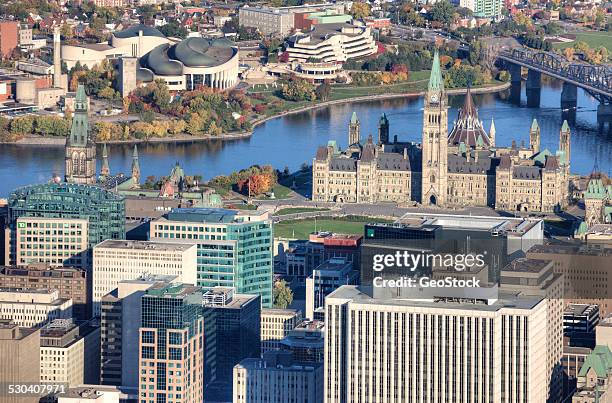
<point x="457" y="169"/>
<point x="80" y="156"/>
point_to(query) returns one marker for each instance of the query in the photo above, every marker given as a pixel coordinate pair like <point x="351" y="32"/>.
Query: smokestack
<point x="57" y="59"/>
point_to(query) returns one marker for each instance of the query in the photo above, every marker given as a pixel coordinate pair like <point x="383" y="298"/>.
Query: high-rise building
<point x="586" y="277"/>
<point x="69" y="281"/>
<point x="70" y="353"/>
<point x="103" y="210"/>
<point x="276" y="325"/>
<point x="237" y="333"/>
<point x="234" y="249"/>
<point x="8" y="37"/>
<point x="428" y="351"/>
<point x="483" y="8"/>
<point x="80" y="150"/>
<point x="56" y="241"/>
<point x="114" y="261"/>
<point x="20" y="358"/>
<point x="277" y="378"/>
<point x="323" y="280"/>
<point x="119" y="323"/>
<point x="33" y="308"/>
<point x="171" y="344"/>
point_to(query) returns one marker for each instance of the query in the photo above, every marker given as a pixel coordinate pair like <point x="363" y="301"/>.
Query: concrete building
<point x="33" y="308"/>
<point x="127" y="75"/>
<point x="571" y="362"/>
<point x="119" y="324"/>
<point x="603" y="332"/>
<point x="268" y="21"/>
<point x="579" y="323"/>
<point x="306" y="342"/>
<point x="457" y="169"/>
<point x="92" y="394"/>
<point x="237" y="319"/>
<point x="115" y="261"/>
<point x="331" y="43"/>
<point x="483" y="8"/>
<point x="69" y="281"/>
<point x="170" y="344"/>
<point x="20" y="358"/>
<point x="435" y="345"/>
<point x="70" y="353"/>
<point x="277" y="378"/>
<point x="586" y="277"/>
<point x="103" y="210"/>
<point x="276" y="325"/>
<point x="53" y="241"/>
<point x="234" y="249"/>
<point x="324" y="279"/>
<point x="595" y="378"/>
<point x="9" y="37"/>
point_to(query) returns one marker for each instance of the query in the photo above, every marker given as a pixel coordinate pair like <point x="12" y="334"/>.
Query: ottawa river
<point x="292" y="140"/>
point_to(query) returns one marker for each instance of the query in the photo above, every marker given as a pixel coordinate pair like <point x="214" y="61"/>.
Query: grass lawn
<point x="295" y="210"/>
<point x="300" y="229"/>
<point x="242" y="206"/>
<point x="280" y="192"/>
<point x="593" y="39"/>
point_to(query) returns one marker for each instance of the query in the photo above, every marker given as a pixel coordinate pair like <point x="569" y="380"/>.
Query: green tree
<point x="360" y="10"/>
<point x="298" y="90"/>
<point x="283" y="296"/>
<point x="323" y="91"/>
<point x="22" y="125"/>
<point x="174" y="29"/>
<point x="443" y="12"/>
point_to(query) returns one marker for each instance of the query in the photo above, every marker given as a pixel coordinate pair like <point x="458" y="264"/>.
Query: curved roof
<point x="201" y="52"/>
<point x="157" y="60"/>
<point x="144" y="75"/>
<point x="468" y="129"/>
<point x="134" y="29"/>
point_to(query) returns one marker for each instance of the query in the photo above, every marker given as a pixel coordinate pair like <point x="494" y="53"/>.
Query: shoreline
<point x="61" y="141"/>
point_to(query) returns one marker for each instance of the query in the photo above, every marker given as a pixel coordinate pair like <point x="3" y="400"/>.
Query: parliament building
<point x="457" y="169"/>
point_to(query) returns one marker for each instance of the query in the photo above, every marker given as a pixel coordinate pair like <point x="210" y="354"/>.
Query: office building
<point x="579" y="323"/>
<point x="270" y="22"/>
<point x="9" y="36"/>
<point x="70" y="353"/>
<point x="69" y="281"/>
<point x="234" y="249"/>
<point x="603" y="332"/>
<point x="275" y="325"/>
<point x="483" y="350"/>
<point x="595" y="378"/>
<point x="114" y="261"/>
<point x="56" y="241"/>
<point x="325" y="279"/>
<point x="277" y="378"/>
<point x="119" y="323"/>
<point x="306" y="342"/>
<point x="586" y="277"/>
<point x="237" y="319"/>
<point x="170" y="344"/>
<point x="20" y="358"/>
<point x="103" y="210"/>
<point x="571" y="362"/>
<point x="33" y="308"/>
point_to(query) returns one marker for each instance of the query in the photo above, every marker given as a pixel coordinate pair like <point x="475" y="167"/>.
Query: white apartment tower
<point x="393" y="351"/>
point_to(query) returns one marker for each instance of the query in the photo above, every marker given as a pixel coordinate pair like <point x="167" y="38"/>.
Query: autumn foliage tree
<point x="256" y="184"/>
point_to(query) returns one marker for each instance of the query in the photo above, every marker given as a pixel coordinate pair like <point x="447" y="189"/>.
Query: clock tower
<point x="435" y="142"/>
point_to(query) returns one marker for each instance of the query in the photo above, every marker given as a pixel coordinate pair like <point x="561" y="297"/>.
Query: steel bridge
<point x="596" y="80"/>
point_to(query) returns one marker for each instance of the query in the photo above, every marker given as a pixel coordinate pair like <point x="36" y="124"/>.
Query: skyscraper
<point x="20" y="358"/>
<point x="80" y="156"/>
<point x="171" y="347"/>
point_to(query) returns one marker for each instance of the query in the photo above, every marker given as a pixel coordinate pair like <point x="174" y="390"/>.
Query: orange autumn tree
<point x="256" y="184"/>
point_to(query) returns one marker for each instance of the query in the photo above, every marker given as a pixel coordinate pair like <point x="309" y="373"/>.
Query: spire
<point x="354" y="130"/>
<point x="468" y="105"/>
<point x="492" y="133"/>
<point x="80" y="99"/>
<point x="565" y="127"/>
<point x="105" y="170"/>
<point x="436" y="83"/>
<point x="79" y="131"/>
<point x="135" y="168"/>
<point x="354" y="119"/>
<point x="534" y="125"/>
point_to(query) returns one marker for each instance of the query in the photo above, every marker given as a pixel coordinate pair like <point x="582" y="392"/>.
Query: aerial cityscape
<point x="291" y="202"/>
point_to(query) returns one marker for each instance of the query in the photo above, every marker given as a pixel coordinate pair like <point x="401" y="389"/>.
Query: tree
<point x="298" y="90"/>
<point x="107" y="93"/>
<point x="174" y="29"/>
<point x="323" y="91"/>
<point x="283" y="296"/>
<point x="360" y="10"/>
<point x="442" y="12"/>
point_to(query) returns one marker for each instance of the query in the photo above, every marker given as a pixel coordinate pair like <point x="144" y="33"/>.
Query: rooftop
<point x="145" y="245"/>
<point x="203" y="215"/>
<point x="172" y="290"/>
<point x="525" y="265"/>
<point x="580" y="309"/>
<point x="557" y="249"/>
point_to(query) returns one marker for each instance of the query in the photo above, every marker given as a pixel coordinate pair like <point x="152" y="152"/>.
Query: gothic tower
<point x="105" y="170"/>
<point x="354" y="130"/>
<point x="135" y="169"/>
<point x="435" y="142"/>
<point x="534" y="137"/>
<point x="492" y="133"/>
<point x="564" y="143"/>
<point x="383" y="129"/>
<point x="80" y="156"/>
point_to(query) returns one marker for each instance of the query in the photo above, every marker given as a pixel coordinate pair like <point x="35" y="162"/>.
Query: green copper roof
<point x="436" y="83"/>
<point x="135" y="153"/>
<point x="383" y="118"/>
<point x="462" y="147"/>
<point x="565" y="126"/>
<point x="582" y="228"/>
<point x="492" y="129"/>
<point x="79" y="131"/>
<point x="354" y="118"/>
<point x="600" y="360"/>
<point x="534" y="125"/>
<point x="597" y="190"/>
<point x="541" y="156"/>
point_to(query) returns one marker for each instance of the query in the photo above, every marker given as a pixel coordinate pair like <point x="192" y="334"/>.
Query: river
<point x="292" y="140"/>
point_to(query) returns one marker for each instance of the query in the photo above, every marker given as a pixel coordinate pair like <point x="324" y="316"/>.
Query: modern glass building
<point x="171" y="347"/>
<point x="103" y="209"/>
<point x="233" y="250"/>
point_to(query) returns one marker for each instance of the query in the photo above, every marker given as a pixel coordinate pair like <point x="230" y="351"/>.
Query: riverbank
<point x="37" y="141"/>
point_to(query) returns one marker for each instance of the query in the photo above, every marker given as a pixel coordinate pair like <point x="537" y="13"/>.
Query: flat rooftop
<point x="203" y="215"/>
<point x="172" y="290"/>
<point x="145" y="245"/>
<point x="279" y="312"/>
<point x="579" y="309"/>
<point x="509" y="225"/>
<point x="585" y="250"/>
<point x="525" y="265"/>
